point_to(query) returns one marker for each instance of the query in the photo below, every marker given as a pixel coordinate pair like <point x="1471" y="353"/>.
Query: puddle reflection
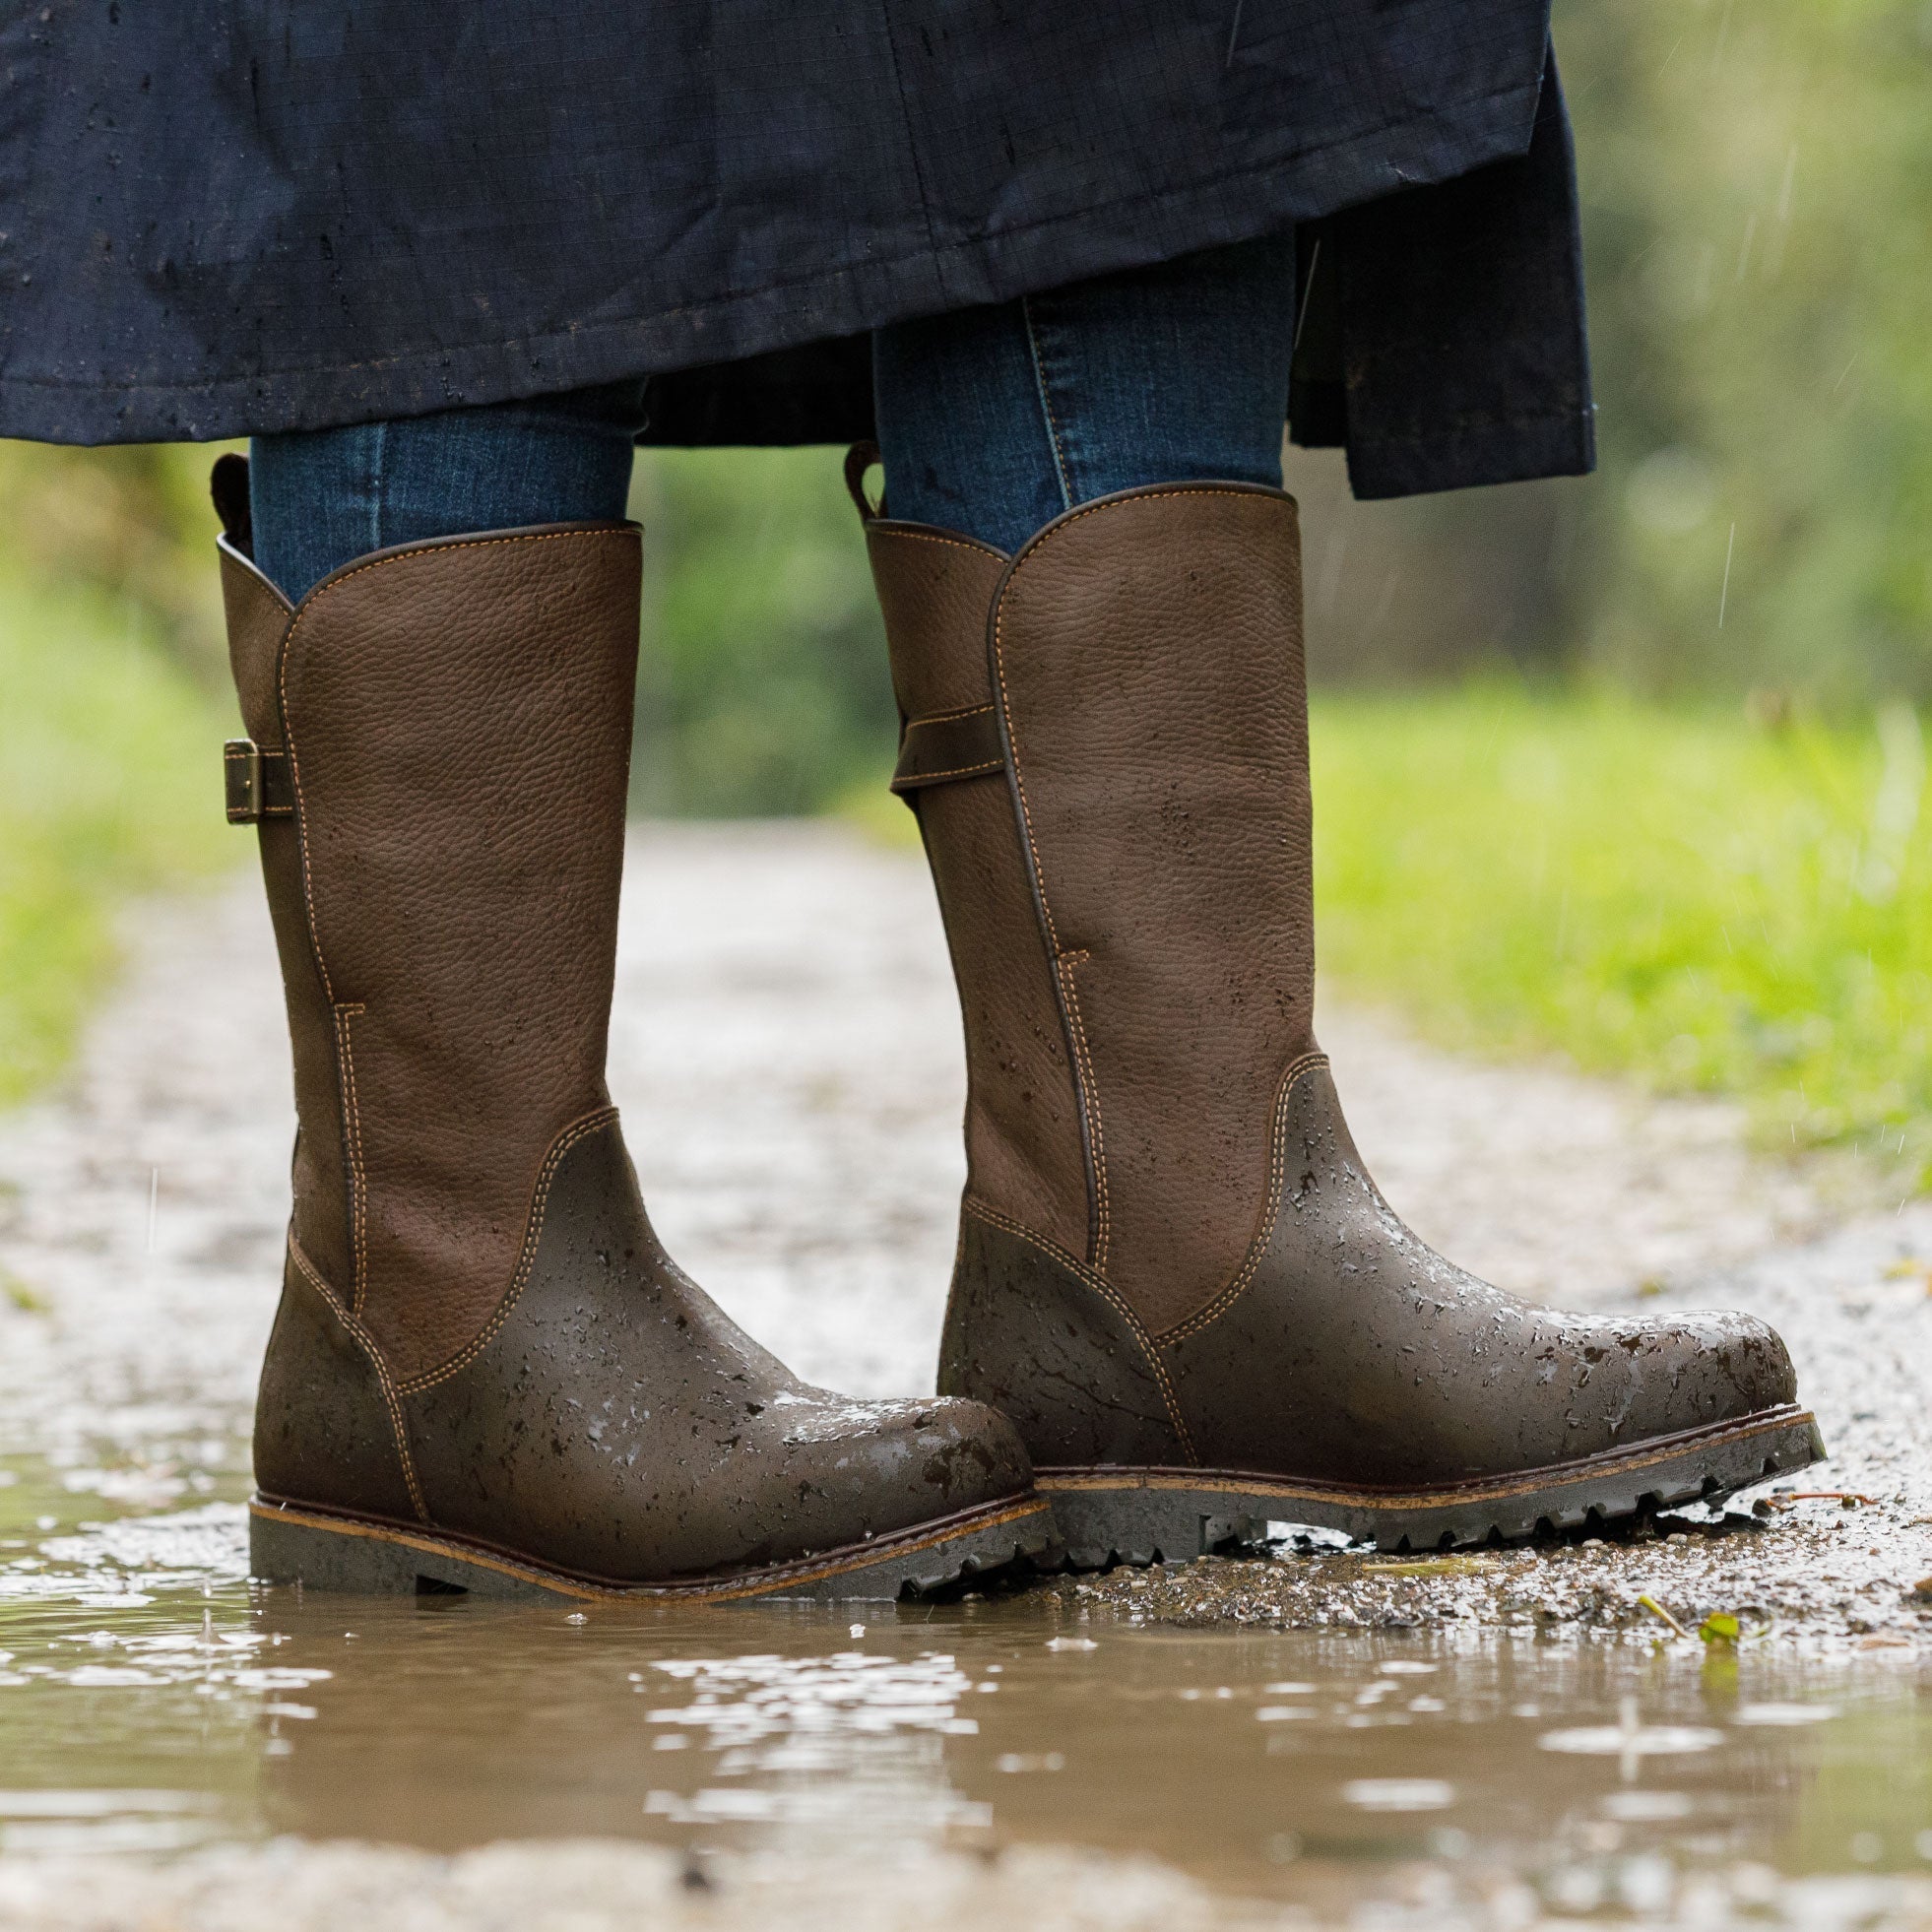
<point x="150" y="1702"/>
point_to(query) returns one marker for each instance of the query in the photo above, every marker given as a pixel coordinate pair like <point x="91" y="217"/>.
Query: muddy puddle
<point x="152" y="1702"/>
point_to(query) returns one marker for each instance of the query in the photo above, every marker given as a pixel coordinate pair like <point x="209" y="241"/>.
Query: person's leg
<point x="322" y="497"/>
<point x="1171" y="1256"/>
<point x="994" y="420"/>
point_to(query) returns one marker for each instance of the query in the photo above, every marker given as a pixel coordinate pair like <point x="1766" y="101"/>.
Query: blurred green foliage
<point x="108" y="785"/>
<point x="134" y="525"/>
<point x="1758" y="186"/>
<point x="762" y="685"/>
<point x="1669" y="892"/>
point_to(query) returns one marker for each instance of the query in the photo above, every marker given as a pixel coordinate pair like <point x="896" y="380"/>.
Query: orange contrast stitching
<point x="1109" y="1294"/>
<point x="913" y="780"/>
<point x="899" y="534"/>
<point x="520" y="1275"/>
<point x="1103" y="1230"/>
<point x="359" y="1188"/>
<point x="948" y="716"/>
<point x="1277" y="1175"/>
<point x="368" y="1343"/>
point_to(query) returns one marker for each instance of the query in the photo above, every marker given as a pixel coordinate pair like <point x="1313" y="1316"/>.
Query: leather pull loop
<point x="955" y="745"/>
<point x="857" y="460"/>
<point x="227" y="484"/>
<point x="258" y="783"/>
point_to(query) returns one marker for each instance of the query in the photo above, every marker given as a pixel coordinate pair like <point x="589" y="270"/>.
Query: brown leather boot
<point x="1174" y="1272"/>
<point x="486" y="1371"/>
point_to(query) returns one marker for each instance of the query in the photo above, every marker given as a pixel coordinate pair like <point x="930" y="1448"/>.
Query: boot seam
<point x="578" y="1130"/>
<point x="947" y="717"/>
<point x="1110" y="1295"/>
<point x="1064" y="967"/>
<point x="961" y="771"/>
<point x="368" y="1343"/>
<point x="351" y="1135"/>
<point x="1243" y="1278"/>
<point x="908" y="533"/>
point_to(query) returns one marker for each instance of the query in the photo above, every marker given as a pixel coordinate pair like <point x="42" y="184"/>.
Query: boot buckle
<point x="257" y="783"/>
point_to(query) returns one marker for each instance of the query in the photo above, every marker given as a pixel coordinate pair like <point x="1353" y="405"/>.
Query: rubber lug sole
<point x="1140" y="1517"/>
<point x="291" y="1544"/>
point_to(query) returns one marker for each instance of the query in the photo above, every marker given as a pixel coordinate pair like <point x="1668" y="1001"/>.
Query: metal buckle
<point x="241" y="768"/>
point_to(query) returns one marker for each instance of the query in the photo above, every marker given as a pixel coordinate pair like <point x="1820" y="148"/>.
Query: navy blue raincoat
<point x="230" y="216"/>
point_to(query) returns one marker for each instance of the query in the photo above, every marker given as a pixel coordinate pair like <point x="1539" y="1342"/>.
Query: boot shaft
<point x="443" y="733"/>
<point x="1128" y="890"/>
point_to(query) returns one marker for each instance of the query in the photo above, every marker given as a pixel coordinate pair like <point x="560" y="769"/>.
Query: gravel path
<point x="785" y="1052"/>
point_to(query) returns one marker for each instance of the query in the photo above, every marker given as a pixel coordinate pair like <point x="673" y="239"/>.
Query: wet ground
<point x="1507" y="1739"/>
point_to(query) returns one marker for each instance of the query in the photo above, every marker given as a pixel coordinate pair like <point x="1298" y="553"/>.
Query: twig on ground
<point x="1656" y="1609"/>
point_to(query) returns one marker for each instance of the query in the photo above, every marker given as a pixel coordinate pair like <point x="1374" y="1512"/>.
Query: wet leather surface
<point x="498" y="1346"/>
<point x="1026" y="1334"/>
<point x="1023" y="1146"/>
<point x="619" y="1425"/>
<point x="323" y="1432"/>
<point x="1357" y="1354"/>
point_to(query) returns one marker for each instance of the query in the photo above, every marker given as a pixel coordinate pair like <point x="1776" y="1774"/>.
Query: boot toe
<point x="965" y="1455"/>
<point x="1702" y="1369"/>
<point x="903" y="1464"/>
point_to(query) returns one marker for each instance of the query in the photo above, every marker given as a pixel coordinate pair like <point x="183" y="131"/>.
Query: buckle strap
<point x="258" y="781"/>
<point x="954" y="745"/>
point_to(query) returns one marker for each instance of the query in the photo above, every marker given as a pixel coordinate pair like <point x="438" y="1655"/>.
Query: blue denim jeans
<point x="992" y="420"/>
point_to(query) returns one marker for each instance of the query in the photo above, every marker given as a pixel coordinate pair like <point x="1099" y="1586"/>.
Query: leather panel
<point x="935" y="592"/>
<point x="457" y="720"/>
<point x="616" y="1422"/>
<point x="1147" y="652"/>
<point x="1023" y="1145"/>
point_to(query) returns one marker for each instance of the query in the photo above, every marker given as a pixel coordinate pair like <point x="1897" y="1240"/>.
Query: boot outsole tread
<point x="290" y="1543"/>
<point x="1140" y="1517"/>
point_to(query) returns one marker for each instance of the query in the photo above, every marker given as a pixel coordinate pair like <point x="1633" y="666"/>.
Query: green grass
<point x="1679" y="895"/>
<point x="109" y="785"/>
